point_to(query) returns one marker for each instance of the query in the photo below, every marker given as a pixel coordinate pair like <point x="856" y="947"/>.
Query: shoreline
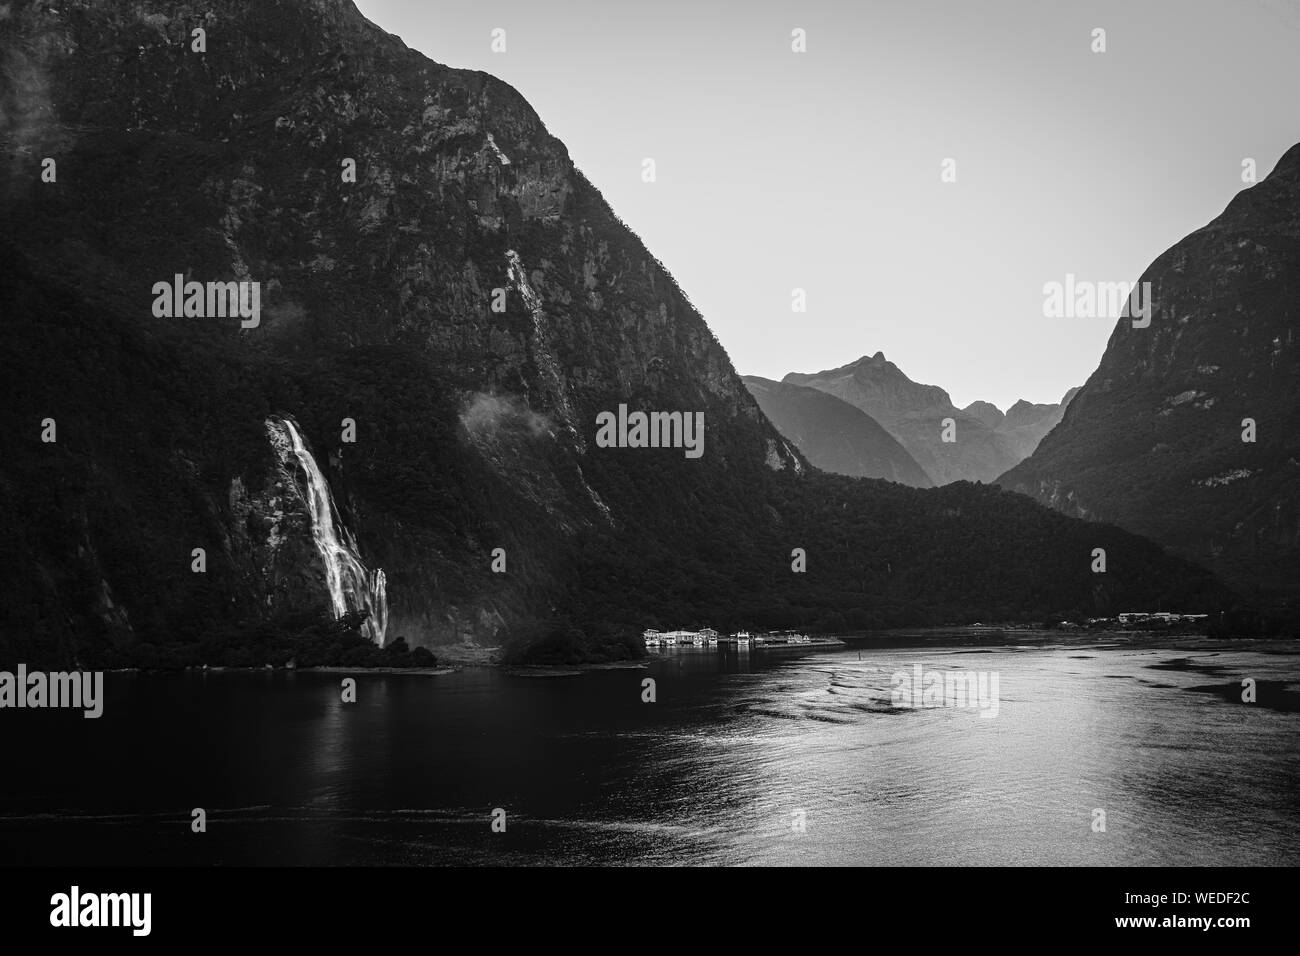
<point x="960" y="635"/>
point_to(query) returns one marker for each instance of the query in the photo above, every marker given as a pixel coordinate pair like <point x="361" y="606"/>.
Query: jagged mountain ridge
<point x="475" y="428"/>
<point x="1025" y="423"/>
<point x="987" y="441"/>
<point x="1153" y="441"/>
<point x="834" y="435"/>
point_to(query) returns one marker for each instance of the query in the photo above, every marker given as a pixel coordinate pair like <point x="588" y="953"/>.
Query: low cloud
<point x="485" y="416"/>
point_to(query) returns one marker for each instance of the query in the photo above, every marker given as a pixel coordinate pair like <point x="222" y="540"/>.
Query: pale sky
<point x="821" y="170"/>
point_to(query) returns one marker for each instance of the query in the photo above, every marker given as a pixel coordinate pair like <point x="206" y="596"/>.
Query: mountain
<point x="1154" y="439"/>
<point x="986" y="412"/>
<point x="436" y="343"/>
<point x="984" y="443"/>
<point x="833" y="435"/>
<point x="1024" y="424"/>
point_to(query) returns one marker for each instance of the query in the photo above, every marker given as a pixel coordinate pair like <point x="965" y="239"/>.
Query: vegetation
<point x="300" y="641"/>
<point x="153" y="426"/>
<point x="375" y="309"/>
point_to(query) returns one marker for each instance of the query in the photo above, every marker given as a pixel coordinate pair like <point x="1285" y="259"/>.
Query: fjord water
<point x="713" y="771"/>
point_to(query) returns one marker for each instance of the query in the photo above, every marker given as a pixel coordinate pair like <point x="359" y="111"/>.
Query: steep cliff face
<point x="464" y="310"/>
<point x="1154" y="440"/>
<point x="270" y="535"/>
<point x="833" y="435"/>
<point x="229" y="164"/>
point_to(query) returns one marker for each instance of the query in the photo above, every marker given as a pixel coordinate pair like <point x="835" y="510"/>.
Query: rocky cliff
<point x="1159" y="439"/>
<point x="446" y="306"/>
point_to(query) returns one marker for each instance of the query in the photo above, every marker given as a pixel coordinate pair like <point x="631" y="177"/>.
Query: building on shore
<point x="654" y="638"/>
<point x="1162" y="617"/>
<point x="708" y="636"/>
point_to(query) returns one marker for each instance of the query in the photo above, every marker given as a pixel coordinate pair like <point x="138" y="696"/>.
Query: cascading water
<point x="351" y="585"/>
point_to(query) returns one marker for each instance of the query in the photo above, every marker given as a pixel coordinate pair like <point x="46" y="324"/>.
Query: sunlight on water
<point x="734" y="752"/>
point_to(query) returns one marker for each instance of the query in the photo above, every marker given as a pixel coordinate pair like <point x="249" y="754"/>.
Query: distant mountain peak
<point x="913" y="413"/>
<point x="986" y="412"/>
<point x="833" y="434"/>
<point x="871" y="361"/>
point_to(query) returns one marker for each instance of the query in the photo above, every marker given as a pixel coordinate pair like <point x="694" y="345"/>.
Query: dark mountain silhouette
<point x="833" y="435"/>
<point x="1154" y="439"/>
<point x="472" y="305"/>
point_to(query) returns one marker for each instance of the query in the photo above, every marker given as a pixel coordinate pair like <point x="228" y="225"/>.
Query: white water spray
<point x="351" y="585"/>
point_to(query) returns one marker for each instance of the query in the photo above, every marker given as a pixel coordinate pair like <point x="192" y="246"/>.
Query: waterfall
<point x="351" y="585"/>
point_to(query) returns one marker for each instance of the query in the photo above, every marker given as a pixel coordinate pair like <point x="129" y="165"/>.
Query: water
<point x="352" y="587"/>
<point x="712" y="772"/>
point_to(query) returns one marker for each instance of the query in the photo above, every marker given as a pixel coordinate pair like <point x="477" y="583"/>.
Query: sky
<point x="822" y="170"/>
